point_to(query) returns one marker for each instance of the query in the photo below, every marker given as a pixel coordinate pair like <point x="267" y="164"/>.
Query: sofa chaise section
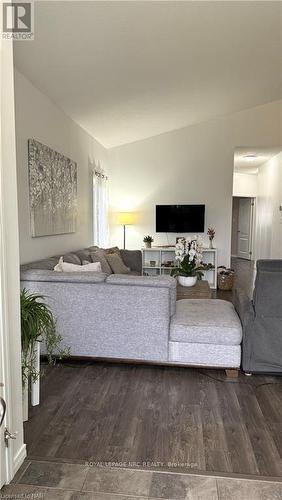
<point x="205" y="332"/>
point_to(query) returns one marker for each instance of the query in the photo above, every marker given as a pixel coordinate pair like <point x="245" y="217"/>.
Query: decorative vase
<point x="148" y="244"/>
<point x="187" y="280"/>
<point x="211" y="244"/>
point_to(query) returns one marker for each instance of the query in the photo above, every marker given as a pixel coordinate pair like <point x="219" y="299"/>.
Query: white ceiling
<point x="244" y="164"/>
<point x="129" y="70"/>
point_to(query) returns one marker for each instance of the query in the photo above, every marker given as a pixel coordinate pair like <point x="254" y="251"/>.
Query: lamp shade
<point x="125" y="218"/>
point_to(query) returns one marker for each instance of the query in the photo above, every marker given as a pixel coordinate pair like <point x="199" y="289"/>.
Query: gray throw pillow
<point x="117" y="264"/>
<point x="83" y="255"/>
<point x="93" y="248"/>
<point x="100" y="256"/>
<point x="112" y="250"/>
<point x="71" y="258"/>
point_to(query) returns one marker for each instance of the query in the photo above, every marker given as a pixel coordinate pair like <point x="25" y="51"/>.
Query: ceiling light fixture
<point x="250" y="157"/>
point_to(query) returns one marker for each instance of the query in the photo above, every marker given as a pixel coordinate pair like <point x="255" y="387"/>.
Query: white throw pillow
<point x="66" y="267"/>
<point x="58" y="267"/>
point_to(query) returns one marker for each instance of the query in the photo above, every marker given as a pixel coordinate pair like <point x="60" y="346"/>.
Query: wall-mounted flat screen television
<point x="180" y="218"/>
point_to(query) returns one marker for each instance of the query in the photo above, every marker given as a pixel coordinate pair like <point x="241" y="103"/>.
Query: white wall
<point x="190" y="165"/>
<point x="269" y="217"/>
<point x="245" y="185"/>
<point x="37" y="117"/>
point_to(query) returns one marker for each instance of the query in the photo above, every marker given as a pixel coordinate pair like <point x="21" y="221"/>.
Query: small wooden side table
<point x="199" y="291"/>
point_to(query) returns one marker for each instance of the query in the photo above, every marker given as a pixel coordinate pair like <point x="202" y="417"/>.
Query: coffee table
<point x="199" y="291"/>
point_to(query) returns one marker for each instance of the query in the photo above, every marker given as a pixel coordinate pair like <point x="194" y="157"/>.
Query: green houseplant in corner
<point x="37" y="324"/>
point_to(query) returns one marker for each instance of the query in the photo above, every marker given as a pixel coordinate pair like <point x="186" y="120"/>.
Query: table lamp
<point x="125" y="219"/>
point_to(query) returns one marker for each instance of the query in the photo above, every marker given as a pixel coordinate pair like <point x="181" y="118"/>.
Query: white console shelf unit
<point x="153" y="260"/>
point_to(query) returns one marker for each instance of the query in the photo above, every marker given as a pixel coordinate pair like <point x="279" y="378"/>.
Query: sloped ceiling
<point x="129" y="70"/>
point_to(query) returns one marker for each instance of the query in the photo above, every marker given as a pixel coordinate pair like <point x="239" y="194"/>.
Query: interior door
<point x="245" y="228"/>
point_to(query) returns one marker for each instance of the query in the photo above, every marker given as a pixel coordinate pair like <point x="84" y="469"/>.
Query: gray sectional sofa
<point x="261" y="318"/>
<point x="133" y="317"/>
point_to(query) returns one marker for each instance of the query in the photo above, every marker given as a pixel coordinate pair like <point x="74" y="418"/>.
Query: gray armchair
<point x="262" y="320"/>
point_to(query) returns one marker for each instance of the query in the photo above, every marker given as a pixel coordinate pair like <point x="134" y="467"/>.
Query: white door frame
<point x="5" y="369"/>
<point x="10" y="337"/>
<point x="6" y="470"/>
<point x="252" y="226"/>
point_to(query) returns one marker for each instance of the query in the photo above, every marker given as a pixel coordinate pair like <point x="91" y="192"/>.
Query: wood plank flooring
<point x="171" y="417"/>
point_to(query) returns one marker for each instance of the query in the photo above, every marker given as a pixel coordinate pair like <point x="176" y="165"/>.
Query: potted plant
<point x="211" y="235"/>
<point x="148" y="240"/>
<point x="37" y="324"/>
<point x="188" y="254"/>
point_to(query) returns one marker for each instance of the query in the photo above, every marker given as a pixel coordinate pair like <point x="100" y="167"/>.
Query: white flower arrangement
<point x="189" y="257"/>
<point x="193" y="247"/>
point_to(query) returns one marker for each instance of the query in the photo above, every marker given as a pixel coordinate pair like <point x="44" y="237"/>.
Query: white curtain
<point x="100" y="208"/>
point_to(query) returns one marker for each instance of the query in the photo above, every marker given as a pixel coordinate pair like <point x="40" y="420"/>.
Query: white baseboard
<point x="19" y="458"/>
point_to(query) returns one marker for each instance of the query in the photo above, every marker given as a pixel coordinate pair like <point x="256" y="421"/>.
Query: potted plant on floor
<point x="37" y="325"/>
<point x="148" y="240"/>
<point x="188" y="255"/>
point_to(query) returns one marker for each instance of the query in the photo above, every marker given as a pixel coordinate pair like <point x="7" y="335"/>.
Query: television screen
<point x="180" y="218"/>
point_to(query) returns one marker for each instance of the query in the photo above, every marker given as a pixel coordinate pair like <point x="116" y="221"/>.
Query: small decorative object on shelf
<point x="168" y="263"/>
<point x="211" y="235"/>
<point x="189" y="255"/>
<point x="152" y="263"/>
<point x="148" y="240"/>
<point x="225" y="278"/>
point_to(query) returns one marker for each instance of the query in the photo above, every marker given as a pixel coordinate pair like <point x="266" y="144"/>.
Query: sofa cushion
<point x="100" y="256"/>
<point x="210" y="321"/>
<point x="91" y="266"/>
<point x="51" y="276"/>
<point x="47" y="264"/>
<point x="154" y="281"/>
<point x="83" y="255"/>
<point x="93" y="248"/>
<point x="116" y="263"/>
<point x="217" y="355"/>
<point x="147" y="281"/>
<point x="71" y="258"/>
<point x="112" y="250"/>
<point x="133" y="260"/>
<point x="86" y="266"/>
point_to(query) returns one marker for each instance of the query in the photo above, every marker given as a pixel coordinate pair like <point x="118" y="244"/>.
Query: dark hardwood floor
<point x="244" y="278"/>
<point x="184" y="418"/>
<point x="194" y="418"/>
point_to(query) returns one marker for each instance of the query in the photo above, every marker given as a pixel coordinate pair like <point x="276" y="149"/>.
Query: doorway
<point x="242" y="227"/>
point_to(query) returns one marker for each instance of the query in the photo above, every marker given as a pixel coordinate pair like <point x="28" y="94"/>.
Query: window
<point x="100" y="208"/>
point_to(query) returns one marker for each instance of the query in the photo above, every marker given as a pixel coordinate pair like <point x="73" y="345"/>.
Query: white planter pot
<point x="25" y="402"/>
<point x="187" y="280"/>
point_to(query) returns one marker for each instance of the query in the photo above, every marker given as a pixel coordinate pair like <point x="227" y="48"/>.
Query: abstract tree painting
<point x="52" y="191"/>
